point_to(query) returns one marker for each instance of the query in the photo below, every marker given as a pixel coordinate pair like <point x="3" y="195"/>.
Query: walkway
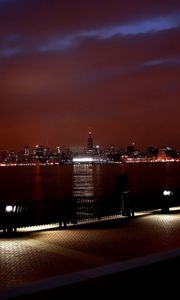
<point x="45" y="260"/>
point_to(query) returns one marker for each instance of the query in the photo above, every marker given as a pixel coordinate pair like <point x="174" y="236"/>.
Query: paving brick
<point x="32" y="256"/>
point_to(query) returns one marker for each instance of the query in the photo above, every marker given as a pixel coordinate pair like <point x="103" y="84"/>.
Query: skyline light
<point x="110" y="66"/>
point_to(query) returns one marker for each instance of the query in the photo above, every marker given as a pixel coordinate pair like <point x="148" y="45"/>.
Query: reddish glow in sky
<point x="70" y="66"/>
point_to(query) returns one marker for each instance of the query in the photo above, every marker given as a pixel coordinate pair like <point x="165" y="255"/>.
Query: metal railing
<point x="82" y="209"/>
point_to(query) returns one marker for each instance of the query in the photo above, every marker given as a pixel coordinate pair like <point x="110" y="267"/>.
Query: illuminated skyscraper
<point x="90" y="142"/>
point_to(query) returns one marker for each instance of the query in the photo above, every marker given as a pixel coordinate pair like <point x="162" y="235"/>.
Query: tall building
<point x="90" y="145"/>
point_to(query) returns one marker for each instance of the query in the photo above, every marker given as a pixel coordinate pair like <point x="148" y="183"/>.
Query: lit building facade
<point x="90" y="145"/>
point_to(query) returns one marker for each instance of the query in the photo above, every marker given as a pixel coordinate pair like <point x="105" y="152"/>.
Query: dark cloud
<point x="44" y="17"/>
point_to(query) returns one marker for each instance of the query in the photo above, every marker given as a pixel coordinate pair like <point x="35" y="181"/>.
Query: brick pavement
<point x="38" y="256"/>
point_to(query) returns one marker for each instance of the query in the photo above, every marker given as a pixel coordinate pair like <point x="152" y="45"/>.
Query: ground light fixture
<point x="167" y="193"/>
<point x="10" y="208"/>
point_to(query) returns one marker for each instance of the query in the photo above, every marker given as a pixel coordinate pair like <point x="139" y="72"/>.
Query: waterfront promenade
<point x="123" y="255"/>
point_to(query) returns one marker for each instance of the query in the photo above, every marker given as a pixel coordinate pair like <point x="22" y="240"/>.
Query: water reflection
<point x="83" y="184"/>
<point x="38" y="187"/>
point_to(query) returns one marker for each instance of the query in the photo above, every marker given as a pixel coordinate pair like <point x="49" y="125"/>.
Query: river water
<point x="56" y="182"/>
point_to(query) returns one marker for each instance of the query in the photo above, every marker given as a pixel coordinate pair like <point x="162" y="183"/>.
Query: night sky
<point x="70" y="66"/>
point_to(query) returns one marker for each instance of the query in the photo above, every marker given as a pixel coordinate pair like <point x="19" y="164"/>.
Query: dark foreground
<point x="156" y="280"/>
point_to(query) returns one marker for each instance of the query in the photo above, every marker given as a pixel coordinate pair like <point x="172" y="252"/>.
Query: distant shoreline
<point x="87" y="163"/>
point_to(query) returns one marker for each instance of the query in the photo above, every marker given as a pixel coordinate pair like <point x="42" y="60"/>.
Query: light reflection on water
<point x="38" y="187"/>
<point x="83" y="184"/>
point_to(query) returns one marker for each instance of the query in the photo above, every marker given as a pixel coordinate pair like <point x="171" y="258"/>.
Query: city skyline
<point x="90" y="143"/>
<point x="67" y="67"/>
